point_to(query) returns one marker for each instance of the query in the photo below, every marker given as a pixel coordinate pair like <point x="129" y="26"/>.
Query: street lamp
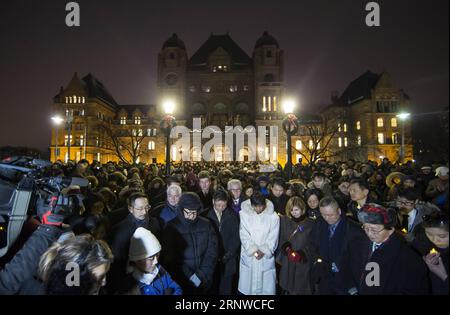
<point x="57" y="121"/>
<point x="167" y="123"/>
<point x="290" y="127"/>
<point x="403" y="117"/>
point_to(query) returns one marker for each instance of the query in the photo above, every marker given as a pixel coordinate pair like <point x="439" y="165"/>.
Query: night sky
<point x="326" y="44"/>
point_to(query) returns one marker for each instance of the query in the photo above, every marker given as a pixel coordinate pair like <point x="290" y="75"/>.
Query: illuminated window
<point x="67" y="99"/>
<point x="345" y="142"/>
<point x="380" y="122"/>
<point x="381" y="138"/>
<point x="246" y="88"/>
<point x="318" y="146"/>
<point x="81" y="140"/>
<point x="74" y="99"/>
<point x="274" y="153"/>
<point x="340" y="142"/>
<point x="264" y="104"/>
<point x="395" y="138"/>
<point x="123" y="120"/>
<point x="359" y="139"/>
<point x="339" y="127"/>
<point x="270" y="104"/>
<point x="275" y="105"/>
<point x="99" y="156"/>
<point x="267" y="153"/>
<point x="82" y="112"/>
<point x="358" y="125"/>
<point x="311" y="144"/>
<point x="345" y="127"/>
<point x="97" y="141"/>
<point x="137" y="120"/>
<point x="151" y="145"/>
<point x="84" y="100"/>
<point x="233" y="88"/>
<point x="298" y="144"/>
<point x="66" y="140"/>
<point x="393" y="122"/>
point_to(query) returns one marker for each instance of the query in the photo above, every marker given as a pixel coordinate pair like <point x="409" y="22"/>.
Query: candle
<point x="433" y="251"/>
<point x="405" y="231"/>
<point x="319" y="260"/>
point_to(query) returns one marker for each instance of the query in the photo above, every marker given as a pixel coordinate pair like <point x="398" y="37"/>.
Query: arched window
<point x="151" y="145"/>
<point x="358" y="125"/>
<point x="394" y="122"/>
<point x="298" y="144"/>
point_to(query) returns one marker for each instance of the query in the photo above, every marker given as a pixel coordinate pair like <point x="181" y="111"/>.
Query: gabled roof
<point x="238" y="56"/>
<point x="96" y="89"/>
<point x="359" y="88"/>
<point x="90" y="86"/>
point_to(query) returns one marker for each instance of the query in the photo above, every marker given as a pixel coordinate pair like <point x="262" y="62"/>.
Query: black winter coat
<point x="279" y="203"/>
<point x="190" y="247"/>
<point x="331" y="250"/>
<point x="25" y="263"/>
<point x="402" y="271"/>
<point x="229" y="242"/>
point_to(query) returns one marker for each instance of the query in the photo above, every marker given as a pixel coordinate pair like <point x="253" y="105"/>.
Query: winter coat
<point x="325" y="251"/>
<point x="258" y="232"/>
<point x="120" y="245"/>
<point x="295" y="276"/>
<point x="401" y="270"/>
<point x="279" y="203"/>
<point x="228" y="240"/>
<point x="206" y="199"/>
<point x="190" y="247"/>
<point x="167" y="214"/>
<point x="353" y="207"/>
<point x="163" y="284"/>
<point x="24" y="265"/>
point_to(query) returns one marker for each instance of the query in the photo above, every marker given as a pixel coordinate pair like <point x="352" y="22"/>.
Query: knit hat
<point x="442" y="171"/>
<point x="375" y="214"/>
<point x="190" y="201"/>
<point x="143" y="244"/>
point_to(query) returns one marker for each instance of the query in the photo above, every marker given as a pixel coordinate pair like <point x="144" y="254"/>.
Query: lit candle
<point x="433" y="251"/>
<point x="405" y="231"/>
<point x="255" y="254"/>
<point x="319" y="260"/>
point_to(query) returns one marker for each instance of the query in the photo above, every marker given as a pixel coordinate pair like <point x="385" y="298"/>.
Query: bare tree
<point x="125" y="143"/>
<point x="317" y="142"/>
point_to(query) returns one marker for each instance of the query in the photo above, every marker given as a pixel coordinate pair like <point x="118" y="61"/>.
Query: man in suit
<point x="381" y="263"/>
<point x="226" y="223"/>
<point x="330" y="236"/>
<point x="206" y="192"/>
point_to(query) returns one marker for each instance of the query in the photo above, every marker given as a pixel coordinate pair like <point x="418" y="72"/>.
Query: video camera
<point x="24" y="191"/>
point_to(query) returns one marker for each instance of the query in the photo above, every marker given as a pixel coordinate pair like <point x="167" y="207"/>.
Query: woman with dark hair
<point x="312" y="198"/>
<point x="432" y="242"/>
<point x="259" y="232"/>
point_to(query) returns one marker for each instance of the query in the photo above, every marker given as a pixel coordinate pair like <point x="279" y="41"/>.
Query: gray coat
<point x="295" y="276"/>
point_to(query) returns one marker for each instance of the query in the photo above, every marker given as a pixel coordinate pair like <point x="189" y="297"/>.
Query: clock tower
<point x="172" y="61"/>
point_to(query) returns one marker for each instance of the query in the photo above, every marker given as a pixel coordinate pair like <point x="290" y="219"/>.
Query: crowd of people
<point x="240" y="229"/>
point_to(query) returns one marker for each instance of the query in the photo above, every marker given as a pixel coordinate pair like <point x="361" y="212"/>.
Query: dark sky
<point x="326" y="44"/>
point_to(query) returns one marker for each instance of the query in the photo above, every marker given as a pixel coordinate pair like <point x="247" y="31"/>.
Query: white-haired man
<point x="169" y="212"/>
<point x="234" y="187"/>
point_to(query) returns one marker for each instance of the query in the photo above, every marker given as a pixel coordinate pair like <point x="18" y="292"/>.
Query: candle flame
<point x="433" y="251"/>
<point x="319" y="260"/>
<point x="405" y="231"/>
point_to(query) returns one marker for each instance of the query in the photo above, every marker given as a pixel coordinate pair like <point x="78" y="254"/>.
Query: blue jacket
<point x="161" y="285"/>
<point x="167" y="214"/>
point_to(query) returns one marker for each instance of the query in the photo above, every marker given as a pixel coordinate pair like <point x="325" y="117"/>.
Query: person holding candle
<point x="382" y="263"/>
<point x="293" y="254"/>
<point x="432" y="242"/>
<point x="259" y="232"/>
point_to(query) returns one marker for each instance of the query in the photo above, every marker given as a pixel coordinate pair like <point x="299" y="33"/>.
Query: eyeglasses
<point x="146" y="208"/>
<point x="405" y="203"/>
<point x="372" y="231"/>
<point x="189" y="213"/>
